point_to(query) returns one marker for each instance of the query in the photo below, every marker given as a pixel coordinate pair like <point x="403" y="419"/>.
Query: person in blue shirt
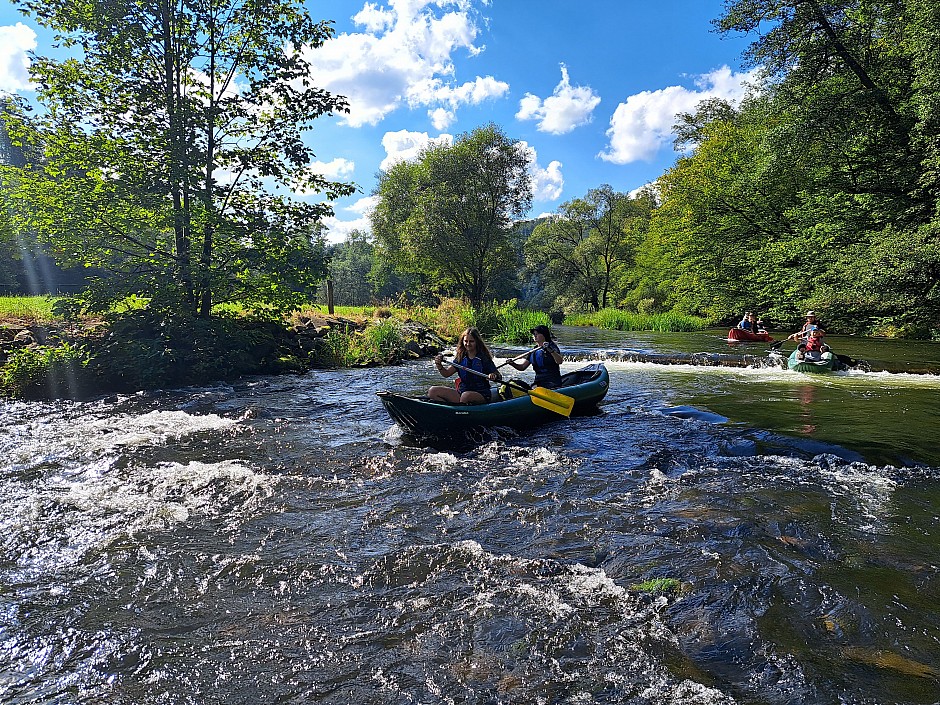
<point x="471" y="352"/>
<point x="545" y="360"/>
<point x="747" y="323"/>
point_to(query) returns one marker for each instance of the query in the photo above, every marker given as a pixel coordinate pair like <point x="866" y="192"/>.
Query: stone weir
<point x="701" y="359"/>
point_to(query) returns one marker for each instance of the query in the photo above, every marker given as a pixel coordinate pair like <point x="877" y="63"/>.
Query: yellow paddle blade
<point x="551" y="400"/>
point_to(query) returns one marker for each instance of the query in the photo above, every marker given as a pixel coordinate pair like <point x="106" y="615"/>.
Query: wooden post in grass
<point x="329" y="296"/>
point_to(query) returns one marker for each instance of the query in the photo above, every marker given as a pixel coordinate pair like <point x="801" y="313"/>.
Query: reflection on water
<point x="807" y="395"/>
<point x="277" y="540"/>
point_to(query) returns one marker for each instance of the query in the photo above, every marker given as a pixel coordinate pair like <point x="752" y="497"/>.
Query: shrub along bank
<point x="141" y="351"/>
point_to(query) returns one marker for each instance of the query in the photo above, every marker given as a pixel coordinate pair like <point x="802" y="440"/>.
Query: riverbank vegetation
<point x="31" y="309"/>
<point x="617" y="319"/>
<point x="142" y="348"/>
<point x="818" y="190"/>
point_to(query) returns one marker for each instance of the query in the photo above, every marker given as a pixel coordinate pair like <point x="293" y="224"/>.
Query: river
<point x="278" y="540"/>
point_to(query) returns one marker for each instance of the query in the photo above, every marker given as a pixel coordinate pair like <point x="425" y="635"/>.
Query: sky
<point x="592" y="89"/>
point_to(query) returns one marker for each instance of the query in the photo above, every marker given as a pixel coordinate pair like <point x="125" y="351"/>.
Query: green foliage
<point x="616" y="319"/>
<point x="145" y="350"/>
<point x="505" y="322"/>
<point x="450" y="318"/>
<point x="350" y="268"/>
<point x="448" y="215"/>
<point x="185" y="204"/>
<point x="380" y="343"/>
<point x="585" y="253"/>
<point x="657" y="585"/>
<point x="45" y="372"/>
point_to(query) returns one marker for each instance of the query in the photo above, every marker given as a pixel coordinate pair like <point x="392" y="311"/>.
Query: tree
<point x="585" y="248"/>
<point x="856" y="85"/>
<point x="172" y="145"/>
<point x="18" y="147"/>
<point x="351" y="265"/>
<point x="448" y="214"/>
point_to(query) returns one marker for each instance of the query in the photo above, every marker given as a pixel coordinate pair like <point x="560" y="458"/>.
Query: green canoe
<point x="422" y="417"/>
<point x="827" y="362"/>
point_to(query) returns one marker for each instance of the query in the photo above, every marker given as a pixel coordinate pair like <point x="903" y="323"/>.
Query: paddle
<point x="546" y="398"/>
<point x="849" y="361"/>
<point x="519" y="357"/>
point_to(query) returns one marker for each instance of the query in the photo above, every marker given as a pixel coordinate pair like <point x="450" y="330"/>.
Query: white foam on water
<point x="58" y="523"/>
<point x="868" y="489"/>
<point x="585" y="597"/>
<point x="85" y="437"/>
<point x="853" y="378"/>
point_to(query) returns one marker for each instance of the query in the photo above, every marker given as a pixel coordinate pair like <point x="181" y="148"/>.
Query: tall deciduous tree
<point x="174" y="144"/>
<point x="351" y="265"/>
<point x="585" y="249"/>
<point x="448" y="214"/>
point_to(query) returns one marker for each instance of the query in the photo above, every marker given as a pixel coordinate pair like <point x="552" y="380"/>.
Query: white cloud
<point x="441" y="119"/>
<point x="373" y="18"/>
<point x="433" y="90"/>
<point x="567" y="108"/>
<point x="338" y="230"/>
<point x="15" y="41"/>
<point x="339" y="168"/>
<point x="643" y="124"/>
<point x="404" y="145"/>
<point x="547" y="182"/>
<point x="403" y="57"/>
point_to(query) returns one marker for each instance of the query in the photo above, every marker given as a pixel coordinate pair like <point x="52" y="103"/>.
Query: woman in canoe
<point x="472" y="353"/>
<point x="545" y="359"/>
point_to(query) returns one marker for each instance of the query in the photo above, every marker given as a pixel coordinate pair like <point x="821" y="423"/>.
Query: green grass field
<point x="27" y="308"/>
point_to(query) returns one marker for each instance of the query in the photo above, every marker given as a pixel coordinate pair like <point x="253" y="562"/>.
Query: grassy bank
<point x="29" y="309"/>
<point x="615" y="319"/>
<point x="134" y="348"/>
<point x="499" y="322"/>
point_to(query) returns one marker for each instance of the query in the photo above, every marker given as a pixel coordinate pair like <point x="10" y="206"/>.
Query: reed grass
<point x="615" y="319"/>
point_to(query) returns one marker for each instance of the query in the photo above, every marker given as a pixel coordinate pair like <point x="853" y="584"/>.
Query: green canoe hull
<point x="828" y="362"/>
<point x="421" y="417"/>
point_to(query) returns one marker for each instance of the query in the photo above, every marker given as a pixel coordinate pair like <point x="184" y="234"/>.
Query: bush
<point x="144" y="350"/>
<point x="45" y="372"/>
<point x="449" y="319"/>
<point x="381" y="342"/>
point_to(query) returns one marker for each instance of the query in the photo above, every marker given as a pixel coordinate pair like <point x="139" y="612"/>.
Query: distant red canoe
<point x="743" y="336"/>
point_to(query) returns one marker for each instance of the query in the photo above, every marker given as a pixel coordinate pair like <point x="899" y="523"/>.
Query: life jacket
<point x="814" y="343"/>
<point x="470" y="382"/>
<point x="547" y="371"/>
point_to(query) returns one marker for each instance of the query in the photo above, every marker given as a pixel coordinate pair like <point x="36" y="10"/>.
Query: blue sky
<point x="592" y="88"/>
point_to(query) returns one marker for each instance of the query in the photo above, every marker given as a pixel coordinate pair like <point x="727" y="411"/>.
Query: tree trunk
<point x="180" y="229"/>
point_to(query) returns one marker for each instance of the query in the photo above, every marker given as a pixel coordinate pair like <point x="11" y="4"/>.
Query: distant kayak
<point x="740" y="335"/>
<point x="827" y="362"/>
